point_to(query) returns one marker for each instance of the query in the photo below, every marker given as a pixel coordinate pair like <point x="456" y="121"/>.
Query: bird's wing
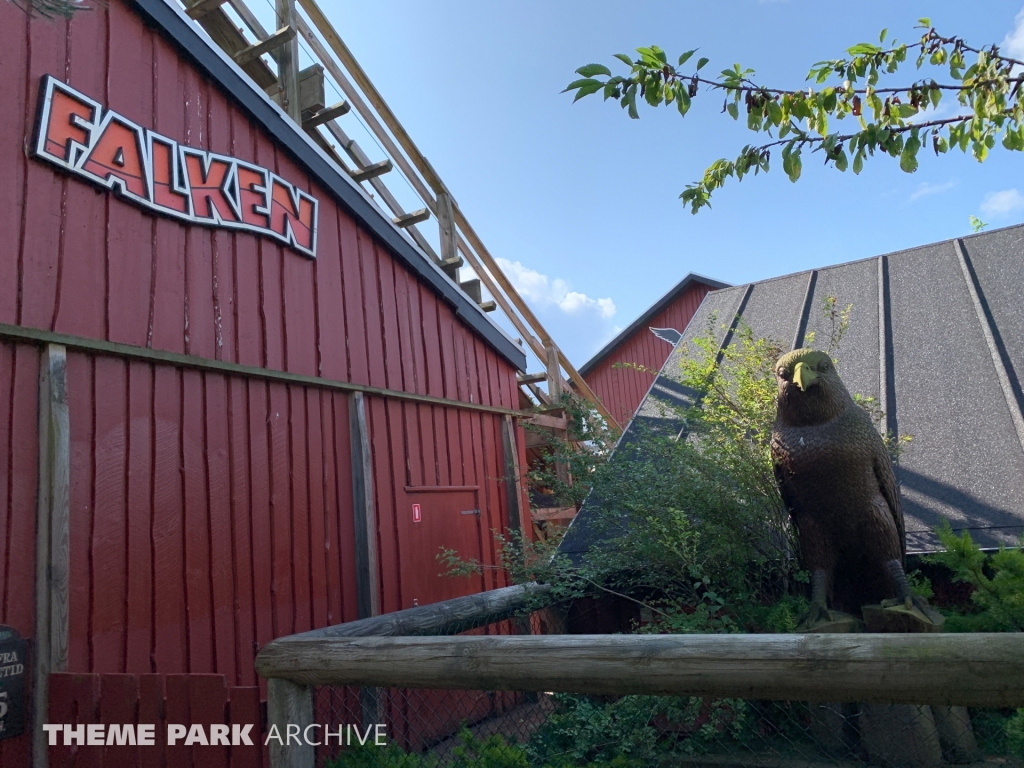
<point x="780" y="479"/>
<point x="890" y="491"/>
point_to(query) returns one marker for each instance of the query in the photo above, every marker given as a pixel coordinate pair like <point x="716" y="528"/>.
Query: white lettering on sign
<point x="144" y="734"/>
<point x="12" y="670"/>
<point x="155" y="172"/>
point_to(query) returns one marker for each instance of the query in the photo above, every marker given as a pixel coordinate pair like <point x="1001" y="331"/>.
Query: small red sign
<point x="417" y="516"/>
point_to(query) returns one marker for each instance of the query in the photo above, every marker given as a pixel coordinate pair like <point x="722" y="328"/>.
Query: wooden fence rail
<point x="979" y="670"/>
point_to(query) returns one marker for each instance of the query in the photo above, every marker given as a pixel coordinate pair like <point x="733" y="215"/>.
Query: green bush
<point x="997" y="579"/>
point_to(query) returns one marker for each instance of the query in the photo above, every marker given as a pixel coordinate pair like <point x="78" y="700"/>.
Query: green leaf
<point x="934" y="94"/>
<point x="581" y="83"/>
<point x="682" y="100"/>
<point x="701" y="62"/>
<point x="585" y="90"/>
<point x="908" y="157"/>
<point x="858" y="162"/>
<point x="795" y="166"/>
<point x="624" y="59"/>
<point x="630" y="99"/>
<point x="684" y="57"/>
<point x="589" y="70"/>
<point x="924" y="21"/>
<point x="733" y="110"/>
<point x="881" y="37"/>
<point x="906" y="110"/>
<point x="841" y="160"/>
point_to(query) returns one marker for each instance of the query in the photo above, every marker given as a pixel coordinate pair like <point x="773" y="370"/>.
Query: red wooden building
<point x="239" y="415"/>
<point x="622" y="372"/>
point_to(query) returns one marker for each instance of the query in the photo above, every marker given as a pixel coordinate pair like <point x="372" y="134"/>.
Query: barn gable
<point x="622" y="372"/>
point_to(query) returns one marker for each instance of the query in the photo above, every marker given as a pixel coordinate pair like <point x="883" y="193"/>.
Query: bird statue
<point x="836" y="478"/>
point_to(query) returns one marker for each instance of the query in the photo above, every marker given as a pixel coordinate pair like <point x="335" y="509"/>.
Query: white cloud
<point x="1013" y="43"/>
<point x="997" y="204"/>
<point x="541" y="289"/>
<point x="924" y="189"/>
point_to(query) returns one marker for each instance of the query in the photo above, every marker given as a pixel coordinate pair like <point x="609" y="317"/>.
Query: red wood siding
<point x="157" y="700"/>
<point x="210" y="512"/>
<point x="622" y="389"/>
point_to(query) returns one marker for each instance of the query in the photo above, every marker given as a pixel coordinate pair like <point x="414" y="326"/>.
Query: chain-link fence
<point x="420" y="728"/>
<point x="494" y="729"/>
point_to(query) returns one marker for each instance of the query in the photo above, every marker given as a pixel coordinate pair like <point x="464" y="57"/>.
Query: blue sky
<point x="582" y="202"/>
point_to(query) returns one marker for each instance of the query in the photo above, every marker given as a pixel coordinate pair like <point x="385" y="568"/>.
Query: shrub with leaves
<point x="997" y="579"/>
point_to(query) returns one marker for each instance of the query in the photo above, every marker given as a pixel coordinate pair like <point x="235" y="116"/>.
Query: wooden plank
<point x="151" y="710"/>
<point x="196" y="523"/>
<point x="169" y="608"/>
<point x="513" y="476"/>
<point x="367" y="580"/>
<point x="372" y="171"/>
<point x="289" y="704"/>
<point x="327" y="114"/>
<point x="440" y="618"/>
<point x="202" y="7"/>
<point x="15" y="124"/>
<point x="279" y="39"/>
<point x="298" y="509"/>
<point x="553" y="513"/>
<point x="977" y="670"/>
<point x="208" y="698"/>
<point x="360" y="158"/>
<point x="225" y="34"/>
<point x="177" y="710"/>
<point x="108" y="543"/>
<point x="550" y="422"/>
<point x="223" y="566"/>
<point x="243" y="709"/>
<point x="119" y="700"/>
<point x="53" y="536"/>
<point x="352" y="94"/>
<point x="408" y="219"/>
<point x="532" y="378"/>
<point x="446" y="229"/>
<point x="139" y="601"/>
<point x="288" y="61"/>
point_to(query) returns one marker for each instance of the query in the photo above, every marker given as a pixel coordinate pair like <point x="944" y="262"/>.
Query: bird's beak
<point x="804" y="376"/>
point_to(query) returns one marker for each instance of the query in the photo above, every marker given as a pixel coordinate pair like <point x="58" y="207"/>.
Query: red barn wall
<point x="212" y="512"/>
<point x="622" y="389"/>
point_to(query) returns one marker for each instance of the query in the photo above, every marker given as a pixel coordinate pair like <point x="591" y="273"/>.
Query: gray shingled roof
<point x="937" y="334"/>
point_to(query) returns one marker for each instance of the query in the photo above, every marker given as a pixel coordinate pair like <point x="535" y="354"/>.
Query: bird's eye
<point x="783" y="373"/>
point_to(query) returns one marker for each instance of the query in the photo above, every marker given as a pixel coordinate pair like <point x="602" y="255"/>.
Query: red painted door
<point x="447" y="519"/>
<point x="437" y="518"/>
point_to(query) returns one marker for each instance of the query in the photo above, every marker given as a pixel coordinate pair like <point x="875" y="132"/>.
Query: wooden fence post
<point x="52" y="538"/>
<point x="367" y="579"/>
<point x="289" y="704"/>
<point x="518" y="518"/>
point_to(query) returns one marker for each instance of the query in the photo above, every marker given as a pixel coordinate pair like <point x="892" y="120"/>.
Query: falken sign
<point x="155" y="172"/>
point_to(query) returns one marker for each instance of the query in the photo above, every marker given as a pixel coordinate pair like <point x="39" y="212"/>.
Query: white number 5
<point x="3" y="704"/>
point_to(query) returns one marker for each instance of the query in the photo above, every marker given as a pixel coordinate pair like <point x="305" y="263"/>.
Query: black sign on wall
<point x="13" y="649"/>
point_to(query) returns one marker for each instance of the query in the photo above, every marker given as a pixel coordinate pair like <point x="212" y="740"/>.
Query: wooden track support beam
<point x="408" y="219"/>
<point x="372" y="171"/>
<point x="203" y="7"/>
<point x="280" y="38"/>
<point x="327" y="114"/>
